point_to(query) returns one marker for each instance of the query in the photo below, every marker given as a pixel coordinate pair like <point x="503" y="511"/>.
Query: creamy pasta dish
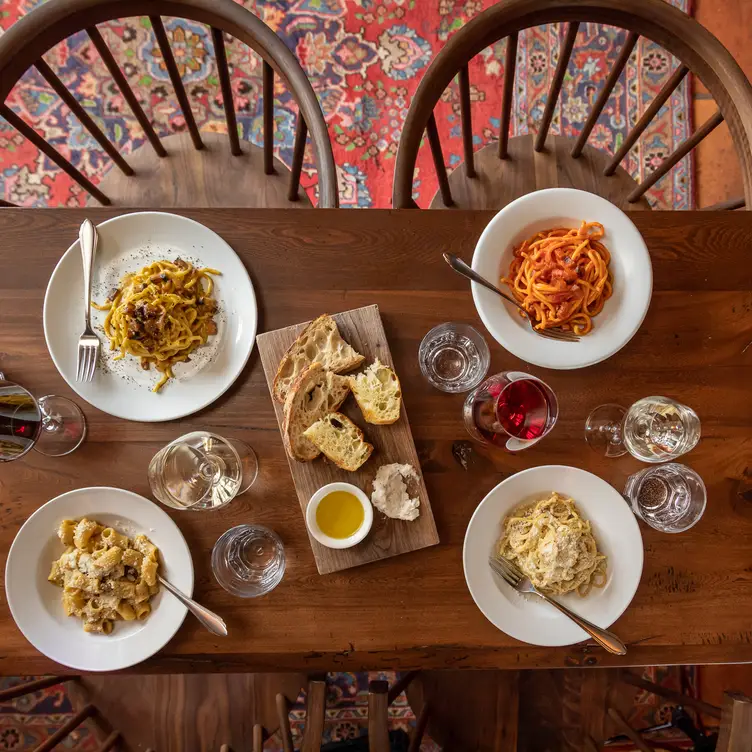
<point x="105" y="575"/>
<point x="554" y="546"/>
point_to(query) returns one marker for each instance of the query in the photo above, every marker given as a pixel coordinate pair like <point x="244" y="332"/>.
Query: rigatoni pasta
<point x="104" y="574"/>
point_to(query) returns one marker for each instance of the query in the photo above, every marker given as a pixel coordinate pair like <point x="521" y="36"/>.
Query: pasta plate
<point x="121" y="387"/>
<point x="622" y="313"/>
<point x="35" y="603"/>
<point x="528" y="618"/>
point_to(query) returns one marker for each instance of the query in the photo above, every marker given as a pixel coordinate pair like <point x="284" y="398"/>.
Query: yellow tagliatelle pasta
<point x="161" y="314"/>
<point x="553" y="546"/>
<point x="561" y="277"/>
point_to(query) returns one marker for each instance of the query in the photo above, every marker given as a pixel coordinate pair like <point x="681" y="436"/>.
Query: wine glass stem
<point x="50" y="423"/>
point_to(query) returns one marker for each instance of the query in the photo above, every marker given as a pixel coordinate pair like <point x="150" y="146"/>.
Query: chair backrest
<point x="23" y="45"/>
<point x="735" y="734"/>
<point x="694" y="46"/>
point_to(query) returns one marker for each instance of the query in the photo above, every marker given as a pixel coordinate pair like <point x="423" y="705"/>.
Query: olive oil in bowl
<point x="339" y="515"/>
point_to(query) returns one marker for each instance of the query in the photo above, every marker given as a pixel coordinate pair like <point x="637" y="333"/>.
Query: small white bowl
<point x="327" y="540"/>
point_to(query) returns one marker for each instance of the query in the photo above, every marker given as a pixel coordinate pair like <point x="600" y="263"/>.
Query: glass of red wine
<point x="513" y="410"/>
<point x="52" y="425"/>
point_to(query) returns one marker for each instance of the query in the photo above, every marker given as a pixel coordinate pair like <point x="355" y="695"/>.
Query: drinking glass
<point x="249" y="560"/>
<point x="202" y="471"/>
<point x="454" y="357"/>
<point x="513" y="410"/>
<point x="670" y="498"/>
<point x="654" y="429"/>
<point x="52" y="425"/>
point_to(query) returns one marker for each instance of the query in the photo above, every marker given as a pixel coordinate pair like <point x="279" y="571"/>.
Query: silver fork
<point x="88" y="342"/>
<point x="514" y="577"/>
<point x="555" y="332"/>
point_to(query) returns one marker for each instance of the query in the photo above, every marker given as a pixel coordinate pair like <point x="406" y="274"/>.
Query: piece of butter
<point x="390" y="494"/>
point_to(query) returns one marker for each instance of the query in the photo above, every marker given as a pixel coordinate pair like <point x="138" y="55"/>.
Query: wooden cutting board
<point x="363" y="329"/>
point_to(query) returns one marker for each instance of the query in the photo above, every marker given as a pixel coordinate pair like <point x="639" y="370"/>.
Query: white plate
<point x="36" y="603"/>
<point x="527" y="617"/>
<point x="622" y="313"/>
<point x="122" y="388"/>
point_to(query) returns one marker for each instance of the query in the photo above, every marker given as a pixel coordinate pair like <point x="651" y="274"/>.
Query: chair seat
<point x="211" y="177"/>
<point x="501" y="181"/>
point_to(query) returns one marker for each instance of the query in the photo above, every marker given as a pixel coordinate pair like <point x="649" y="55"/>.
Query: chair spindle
<point x="510" y="61"/>
<point x="177" y="83"/>
<point x="466" y="119"/>
<point x="66" y="728"/>
<point x="85" y="119"/>
<point x="728" y="205"/>
<point x="110" y="742"/>
<point x="258" y="738"/>
<point x="298" y="152"/>
<point x="434" y="142"/>
<point x="679" y="153"/>
<point x="19" y="690"/>
<point x="29" y="133"/>
<point x="660" y="99"/>
<point x="627" y="730"/>
<point x="420" y="729"/>
<point x="268" y="97"/>
<point x="224" y="83"/>
<point x="283" y="716"/>
<point x="600" y="103"/>
<point x="125" y="89"/>
<point x="378" y="716"/>
<point x="558" y="80"/>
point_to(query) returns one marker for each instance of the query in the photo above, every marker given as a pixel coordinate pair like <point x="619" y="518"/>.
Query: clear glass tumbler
<point x="202" y="471"/>
<point x="670" y="498"/>
<point x="249" y="560"/>
<point x="653" y="429"/>
<point x="513" y="410"/>
<point x="454" y="357"/>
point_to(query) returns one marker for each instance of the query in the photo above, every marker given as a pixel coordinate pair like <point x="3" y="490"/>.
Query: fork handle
<point x="87" y="236"/>
<point x="467" y="271"/>
<point x="607" y="640"/>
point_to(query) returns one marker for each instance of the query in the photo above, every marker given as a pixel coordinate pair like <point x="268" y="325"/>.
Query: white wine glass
<point x="52" y="425"/>
<point x="202" y="470"/>
<point x="653" y="429"/>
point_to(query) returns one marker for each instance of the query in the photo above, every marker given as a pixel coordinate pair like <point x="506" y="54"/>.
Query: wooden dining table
<point x="694" y="602"/>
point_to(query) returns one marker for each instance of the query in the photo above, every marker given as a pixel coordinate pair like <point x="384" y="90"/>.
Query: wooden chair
<point x="187" y="169"/>
<point x="499" y="173"/>
<point x="87" y="711"/>
<point x="380" y="697"/>
<point x="735" y="734"/>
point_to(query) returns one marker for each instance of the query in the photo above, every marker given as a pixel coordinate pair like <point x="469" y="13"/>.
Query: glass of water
<point x="249" y="560"/>
<point x="653" y="429"/>
<point x="202" y="471"/>
<point x="454" y="357"/>
<point x="670" y="498"/>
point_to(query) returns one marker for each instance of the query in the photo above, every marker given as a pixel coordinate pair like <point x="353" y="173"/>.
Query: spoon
<point x="209" y="619"/>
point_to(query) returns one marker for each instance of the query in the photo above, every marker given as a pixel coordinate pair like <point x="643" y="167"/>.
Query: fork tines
<point x="506" y="570"/>
<point x="88" y="351"/>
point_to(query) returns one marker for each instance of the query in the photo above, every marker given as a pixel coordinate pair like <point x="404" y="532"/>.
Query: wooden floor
<point x="717" y="168"/>
<point x="472" y="711"/>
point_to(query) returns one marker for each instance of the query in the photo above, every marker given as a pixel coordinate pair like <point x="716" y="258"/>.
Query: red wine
<point x="20" y="421"/>
<point x="519" y="408"/>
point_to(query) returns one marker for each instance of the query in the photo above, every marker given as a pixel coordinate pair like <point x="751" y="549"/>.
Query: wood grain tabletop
<point x="694" y="603"/>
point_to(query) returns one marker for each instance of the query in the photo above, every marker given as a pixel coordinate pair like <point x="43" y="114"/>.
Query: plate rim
<point x="541" y="360"/>
<point x="83" y="666"/>
<point x="178" y="413"/>
<point x="554" y="643"/>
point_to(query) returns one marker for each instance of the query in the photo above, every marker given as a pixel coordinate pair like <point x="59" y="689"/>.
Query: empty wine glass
<point x="52" y="425"/>
<point x="653" y="429"/>
<point x="202" y="471"/>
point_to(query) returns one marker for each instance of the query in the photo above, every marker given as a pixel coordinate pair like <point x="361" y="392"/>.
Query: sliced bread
<point x="340" y="440"/>
<point x="320" y="342"/>
<point x="315" y="393"/>
<point x="378" y="394"/>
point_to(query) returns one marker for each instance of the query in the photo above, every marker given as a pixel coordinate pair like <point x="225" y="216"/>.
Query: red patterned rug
<point x="365" y="59"/>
